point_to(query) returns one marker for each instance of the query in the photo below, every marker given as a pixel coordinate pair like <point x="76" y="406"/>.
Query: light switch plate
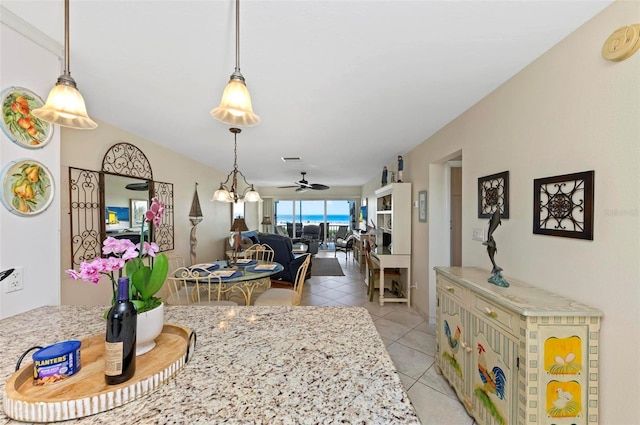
<point x="478" y="234"/>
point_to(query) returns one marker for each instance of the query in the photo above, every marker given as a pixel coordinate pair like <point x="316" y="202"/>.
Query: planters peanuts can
<point x="56" y="362"/>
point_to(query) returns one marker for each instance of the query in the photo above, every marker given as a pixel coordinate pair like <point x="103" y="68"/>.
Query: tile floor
<point x="409" y="339"/>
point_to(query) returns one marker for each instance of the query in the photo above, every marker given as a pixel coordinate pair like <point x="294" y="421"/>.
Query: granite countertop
<point x="252" y="365"/>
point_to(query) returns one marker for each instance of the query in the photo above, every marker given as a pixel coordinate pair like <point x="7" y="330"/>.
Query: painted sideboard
<point x="516" y="355"/>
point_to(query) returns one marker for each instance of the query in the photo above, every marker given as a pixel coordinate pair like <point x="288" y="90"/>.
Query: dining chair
<point x="189" y="286"/>
<point x="261" y="252"/>
<point x="175" y="262"/>
<point x="286" y="296"/>
<point x="373" y="275"/>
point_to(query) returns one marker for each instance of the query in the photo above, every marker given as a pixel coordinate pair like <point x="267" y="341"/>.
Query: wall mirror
<point x="109" y="203"/>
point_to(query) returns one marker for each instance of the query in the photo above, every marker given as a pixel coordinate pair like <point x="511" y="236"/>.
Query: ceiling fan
<point x="303" y="185"/>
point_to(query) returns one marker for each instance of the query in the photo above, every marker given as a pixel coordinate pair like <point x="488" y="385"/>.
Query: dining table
<point x="250" y="365"/>
<point x="244" y="276"/>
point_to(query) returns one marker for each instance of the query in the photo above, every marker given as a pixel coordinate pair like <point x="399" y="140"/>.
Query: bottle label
<point x="113" y="354"/>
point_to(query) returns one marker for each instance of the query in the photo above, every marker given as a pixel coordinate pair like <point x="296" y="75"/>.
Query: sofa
<point x="282" y="248"/>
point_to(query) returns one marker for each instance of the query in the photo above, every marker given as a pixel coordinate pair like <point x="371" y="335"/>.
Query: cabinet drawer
<point x="496" y="314"/>
<point x="449" y="287"/>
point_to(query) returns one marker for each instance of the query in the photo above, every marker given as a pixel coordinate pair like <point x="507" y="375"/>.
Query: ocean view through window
<point x="290" y="214"/>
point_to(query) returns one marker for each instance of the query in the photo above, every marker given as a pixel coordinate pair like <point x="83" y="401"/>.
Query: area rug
<point x="326" y="267"/>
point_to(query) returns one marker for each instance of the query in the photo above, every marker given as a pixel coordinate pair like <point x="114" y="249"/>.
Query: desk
<point x="384" y="259"/>
<point x="358" y="248"/>
<point x="266" y="365"/>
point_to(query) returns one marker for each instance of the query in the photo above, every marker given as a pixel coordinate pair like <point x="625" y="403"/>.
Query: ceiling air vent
<point x="287" y="159"/>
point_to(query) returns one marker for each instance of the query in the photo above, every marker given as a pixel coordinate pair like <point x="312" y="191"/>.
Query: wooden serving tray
<point x="86" y="392"/>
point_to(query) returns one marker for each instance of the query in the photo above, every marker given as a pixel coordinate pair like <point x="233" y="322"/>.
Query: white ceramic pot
<point x="149" y="326"/>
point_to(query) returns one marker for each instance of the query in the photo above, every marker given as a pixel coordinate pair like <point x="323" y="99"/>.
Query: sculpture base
<point x="498" y="280"/>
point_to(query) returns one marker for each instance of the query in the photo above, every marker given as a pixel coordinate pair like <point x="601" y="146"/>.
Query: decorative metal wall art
<point x="87" y="202"/>
<point x="164" y="233"/>
<point x="493" y="193"/>
<point x="563" y="205"/>
<point x="86" y="214"/>
<point x="125" y="159"/>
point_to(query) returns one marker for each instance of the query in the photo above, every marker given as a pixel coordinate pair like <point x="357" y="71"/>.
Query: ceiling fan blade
<point x="287" y="187"/>
<point x="317" y="186"/>
<point x="302" y="189"/>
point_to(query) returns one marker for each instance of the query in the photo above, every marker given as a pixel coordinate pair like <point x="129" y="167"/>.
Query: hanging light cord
<point x="66" y="37"/>
<point x="233" y="175"/>
<point x="238" y="35"/>
<point x="66" y="78"/>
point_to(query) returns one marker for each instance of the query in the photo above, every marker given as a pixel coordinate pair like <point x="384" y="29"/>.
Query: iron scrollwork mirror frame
<point x="88" y="204"/>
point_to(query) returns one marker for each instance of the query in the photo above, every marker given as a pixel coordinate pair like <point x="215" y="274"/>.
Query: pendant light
<point x="65" y="105"/>
<point x="235" y="107"/>
<point x="231" y="193"/>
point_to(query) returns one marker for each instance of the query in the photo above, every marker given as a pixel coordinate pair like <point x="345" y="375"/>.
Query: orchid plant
<point x="141" y="263"/>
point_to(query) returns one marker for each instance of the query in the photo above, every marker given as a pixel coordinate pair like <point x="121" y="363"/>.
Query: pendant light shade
<point x="235" y="107"/>
<point x="65" y="105"/>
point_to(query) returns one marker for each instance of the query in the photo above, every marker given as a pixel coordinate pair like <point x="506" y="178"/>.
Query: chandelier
<point x="230" y="194"/>
<point x="235" y="107"/>
<point x="65" y="105"/>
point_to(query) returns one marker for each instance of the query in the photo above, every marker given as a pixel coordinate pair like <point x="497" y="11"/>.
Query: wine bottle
<point x="120" y="344"/>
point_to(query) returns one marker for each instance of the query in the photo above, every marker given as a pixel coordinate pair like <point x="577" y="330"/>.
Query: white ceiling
<point x="345" y="85"/>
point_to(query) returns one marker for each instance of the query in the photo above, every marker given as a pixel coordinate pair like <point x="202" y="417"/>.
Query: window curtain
<point x="268" y="211"/>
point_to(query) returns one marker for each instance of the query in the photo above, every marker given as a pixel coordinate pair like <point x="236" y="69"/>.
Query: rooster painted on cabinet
<point x="494" y="382"/>
<point x="454" y="344"/>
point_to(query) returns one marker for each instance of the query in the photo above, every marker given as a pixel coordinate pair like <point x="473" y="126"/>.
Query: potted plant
<point x="146" y="269"/>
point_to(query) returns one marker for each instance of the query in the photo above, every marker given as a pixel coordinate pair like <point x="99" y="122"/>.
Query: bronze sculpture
<point x="496" y="275"/>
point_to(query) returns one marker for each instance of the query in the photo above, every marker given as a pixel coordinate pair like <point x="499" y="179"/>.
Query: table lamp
<point x="266" y="222"/>
<point x="237" y="227"/>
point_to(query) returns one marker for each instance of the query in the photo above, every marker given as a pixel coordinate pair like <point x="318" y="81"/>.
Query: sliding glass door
<point x="328" y="214"/>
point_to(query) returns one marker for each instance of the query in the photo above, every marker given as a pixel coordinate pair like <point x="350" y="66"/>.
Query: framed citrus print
<point x="18" y="123"/>
<point x="27" y="187"/>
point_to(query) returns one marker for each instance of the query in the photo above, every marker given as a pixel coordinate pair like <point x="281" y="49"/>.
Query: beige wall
<point x="569" y="111"/>
<point x="84" y="149"/>
<point x="30" y="242"/>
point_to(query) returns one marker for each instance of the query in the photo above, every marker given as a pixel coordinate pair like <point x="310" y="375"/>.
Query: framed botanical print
<point x="563" y="205"/>
<point x="422" y="206"/>
<point x="493" y="193"/>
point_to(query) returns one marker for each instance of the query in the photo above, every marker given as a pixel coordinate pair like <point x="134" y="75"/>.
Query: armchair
<point x="344" y="242"/>
<point x="282" y="248"/>
<point x="298" y="231"/>
<point x="311" y="237"/>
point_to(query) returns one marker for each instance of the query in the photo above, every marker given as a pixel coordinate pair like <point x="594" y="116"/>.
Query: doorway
<point x="445" y="218"/>
<point x="455" y="221"/>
